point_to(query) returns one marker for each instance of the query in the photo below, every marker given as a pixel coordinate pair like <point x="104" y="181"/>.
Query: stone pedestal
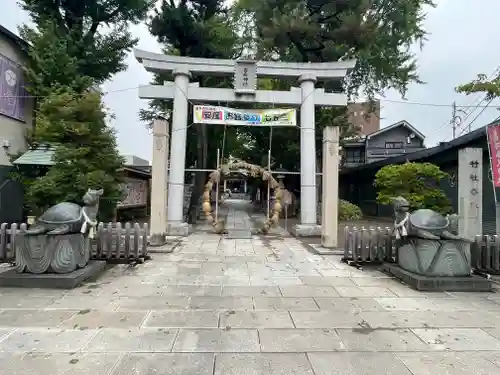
<point x="12" y="278"/>
<point x="439" y="283"/>
<point x="435" y="258"/>
<point x="179" y="229"/>
<point x="46" y="253"/>
<point x="306" y="230"/>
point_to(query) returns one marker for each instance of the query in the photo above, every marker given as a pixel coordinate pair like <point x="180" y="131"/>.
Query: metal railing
<point x="114" y="242"/>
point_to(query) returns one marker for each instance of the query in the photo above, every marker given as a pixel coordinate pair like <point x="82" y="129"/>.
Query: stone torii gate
<point x="245" y="75"/>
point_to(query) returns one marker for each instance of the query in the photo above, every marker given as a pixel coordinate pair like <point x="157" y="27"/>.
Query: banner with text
<point x="205" y="114"/>
<point x="493" y="133"/>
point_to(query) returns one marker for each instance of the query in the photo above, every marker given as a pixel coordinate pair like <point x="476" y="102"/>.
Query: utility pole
<point x="453" y="119"/>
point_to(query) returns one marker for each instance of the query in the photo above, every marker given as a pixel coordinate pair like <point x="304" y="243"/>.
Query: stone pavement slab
<point x="285" y="304"/>
<point x="451" y="363"/>
<point x="49" y="340"/>
<point x="217" y="340"/>
<point x="256" y="319"/>
<point x="458" y="338"/>
<point x="61" y="364"/>
<point x="299" y="340"/>
<point x="183" y="319"/>
<point x="326" y="319"/>
<point x="165" y="364"/>
<point x="264" y="305"/>
<point x="34" y="318"/>
<point x="358" y="364"/>
<point x="428" y="319"/>
<point x="262" y="364"/>
<point x="85" y="319"/>
<point x="381" y="340"/>
<point x="132" y="340"/>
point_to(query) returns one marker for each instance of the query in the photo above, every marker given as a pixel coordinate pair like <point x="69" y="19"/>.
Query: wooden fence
<point x="378" y="245"/>
<point x="485" y="254"/>
<point x="114" y="242"/>
<point x="369" y="245"/>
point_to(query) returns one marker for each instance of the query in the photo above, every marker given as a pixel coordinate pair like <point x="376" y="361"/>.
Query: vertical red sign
<point x="494" y="145"/>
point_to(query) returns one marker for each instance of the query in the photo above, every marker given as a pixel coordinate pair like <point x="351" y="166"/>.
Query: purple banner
<point x="12" y="90"/>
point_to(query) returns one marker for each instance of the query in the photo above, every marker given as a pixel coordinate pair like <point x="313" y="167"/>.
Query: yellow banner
<point x="205" y="114"/>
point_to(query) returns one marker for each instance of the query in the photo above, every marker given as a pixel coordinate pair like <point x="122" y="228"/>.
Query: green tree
<point x="490" y="86"/>
<point x="93" y="32"/>
<point x="196" y="29"/>
<point x="85" y="152"/>
<point x="416" y="182"/>
<point x="377" y="33"/>
<point x="73" y="47"/>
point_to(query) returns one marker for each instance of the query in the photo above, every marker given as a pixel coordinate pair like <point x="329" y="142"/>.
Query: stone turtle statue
<point x="429" y="243"/>
<point x="423" y="223"/>
<point x="68" y="218"/>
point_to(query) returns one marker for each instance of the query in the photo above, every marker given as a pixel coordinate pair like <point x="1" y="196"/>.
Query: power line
<point x="435" y="104"/>
<point x="467" y="112"/>
<point x="475" y="118"/>
<point x="406" y="102"/>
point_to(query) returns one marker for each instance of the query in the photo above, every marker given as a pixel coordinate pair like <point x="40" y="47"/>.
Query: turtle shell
<point x="63" y="213"/>
<point x="428" y="219"/>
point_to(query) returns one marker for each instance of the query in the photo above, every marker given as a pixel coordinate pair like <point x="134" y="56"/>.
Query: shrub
<point x="416" y="182"/>
<point x="349" y="211"/>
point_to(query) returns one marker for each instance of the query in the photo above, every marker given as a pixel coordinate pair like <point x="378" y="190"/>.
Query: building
<point x="364" y="116"/>
<point x="16" y="109"/>
<point x="135" y="161"/>
<point x="16" y="118"/>
<point x="394" y="140"/>
<point x="356" y="183"/>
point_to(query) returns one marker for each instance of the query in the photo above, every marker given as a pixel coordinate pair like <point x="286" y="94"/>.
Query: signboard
<point x="245" y="77"/>
<point x="204" y="114"/>
<point x="493" y="134"/>
<point x="135" y="193"/>
<point x="12" y="91"/>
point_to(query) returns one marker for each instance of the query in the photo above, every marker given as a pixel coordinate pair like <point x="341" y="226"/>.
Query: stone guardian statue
<point x="59" y="241"/>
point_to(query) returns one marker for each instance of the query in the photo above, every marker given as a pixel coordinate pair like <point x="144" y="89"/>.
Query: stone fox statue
<point x="67" y="217"/>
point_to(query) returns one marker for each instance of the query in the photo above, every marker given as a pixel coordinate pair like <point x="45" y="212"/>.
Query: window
<point x="394" y="145"/>
<point x="353" y="156"/>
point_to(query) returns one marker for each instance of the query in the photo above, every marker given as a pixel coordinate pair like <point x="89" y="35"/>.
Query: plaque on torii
<point x="245" y="77"/>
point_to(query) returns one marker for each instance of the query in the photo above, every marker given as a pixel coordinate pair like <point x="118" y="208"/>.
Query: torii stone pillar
<point x="330" y="187"/>
<point x="176" y="224"/>
<point x="308" y="211"/>
<point x="159" y="182"/>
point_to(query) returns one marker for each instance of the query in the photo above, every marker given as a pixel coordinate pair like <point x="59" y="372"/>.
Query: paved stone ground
<point x="261" y="306"/>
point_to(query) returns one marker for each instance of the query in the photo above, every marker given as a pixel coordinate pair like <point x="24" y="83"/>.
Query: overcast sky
<point x="462" y="43"/>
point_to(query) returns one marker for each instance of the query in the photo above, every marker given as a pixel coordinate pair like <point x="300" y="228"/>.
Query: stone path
<point x="238" y="223"/>
<point x="260" y="306"/>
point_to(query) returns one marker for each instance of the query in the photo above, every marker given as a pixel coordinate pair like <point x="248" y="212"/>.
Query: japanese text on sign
<point x="229" y="116"/>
